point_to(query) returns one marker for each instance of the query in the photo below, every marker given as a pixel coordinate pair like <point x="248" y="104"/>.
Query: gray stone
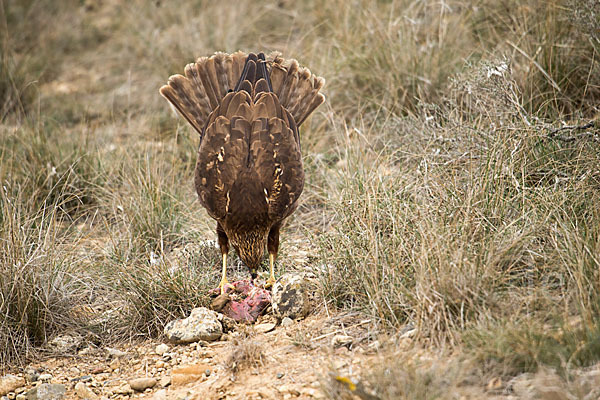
<point x="141" y="384"/>
<point x="290" y="297"/>
<point x="47" y="391"/>
<point x="84" y="392"/>
<point x="287" y="321"/>
<point x="45" y="377"/>
<point x="8" y="383"/>
<point x="202" y="324"/>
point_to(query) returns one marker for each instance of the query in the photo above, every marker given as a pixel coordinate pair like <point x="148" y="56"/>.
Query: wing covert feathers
<point x="206" y="83"/>
<point x="261" y="135"/>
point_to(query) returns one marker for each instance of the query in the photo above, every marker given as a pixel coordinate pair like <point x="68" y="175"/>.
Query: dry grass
<point x="245" y="351"/>
<point x="445" y="187"/>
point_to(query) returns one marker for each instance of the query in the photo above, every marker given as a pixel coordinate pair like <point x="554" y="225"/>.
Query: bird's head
<point x="251" y="248"/>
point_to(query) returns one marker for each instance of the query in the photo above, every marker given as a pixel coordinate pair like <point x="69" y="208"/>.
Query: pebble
<point x="288" y="389"/>
<point x="141" y="384"/>
<point x="84" y="351"/>
<point x="160" y="394"/>
<point x="342" y="340"/>
<point x="45" y="377"/>
<point x="339" y="364"/>
<point x="201" y="343"/>
<point x="264" y="328"/>
<point x="164" y="381"/>
<point x="84" y="392"/>
<point x="187" y="373"/>
<point x="124" y="389"/>
<point x="115" y="352"/>
<point x="280" y="375"/>
<point x="161" y="349"/>
<point x="9" y="383"/>
<point x="115" y="364"/>
<point x="287" y="321"/>
<point x="31" y="375"/>
<point x="84" y="378"/>
<point x="311" y="392"/>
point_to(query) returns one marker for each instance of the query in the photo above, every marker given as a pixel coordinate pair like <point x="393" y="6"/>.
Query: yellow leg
<point x="271" y="279"/>
<point x="224" y="274"/>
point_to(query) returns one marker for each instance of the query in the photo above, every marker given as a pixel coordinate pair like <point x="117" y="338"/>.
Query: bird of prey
<point x="247" y="109"/>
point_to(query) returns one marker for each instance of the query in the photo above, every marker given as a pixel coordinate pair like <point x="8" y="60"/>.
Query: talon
<point x="269" y="283"/>
<point x="223" y="285"/>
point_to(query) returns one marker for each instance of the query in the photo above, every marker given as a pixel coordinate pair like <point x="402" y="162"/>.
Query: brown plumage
<point x="249" y="175"/>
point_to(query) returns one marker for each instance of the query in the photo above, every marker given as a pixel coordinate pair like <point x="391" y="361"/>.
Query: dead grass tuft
<point x="245" y="351"/>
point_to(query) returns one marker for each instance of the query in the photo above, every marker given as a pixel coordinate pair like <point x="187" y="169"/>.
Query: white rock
<point x="161" y="349"/>
<point x="202" y="324"/>
<point x="287" y="321"/>
<point x="45" y="377"/>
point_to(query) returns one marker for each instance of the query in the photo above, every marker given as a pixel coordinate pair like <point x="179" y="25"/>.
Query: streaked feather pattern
<point x="247" y="109"/>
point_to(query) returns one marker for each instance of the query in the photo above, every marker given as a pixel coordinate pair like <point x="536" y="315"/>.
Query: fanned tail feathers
<point x="209" y="79"/>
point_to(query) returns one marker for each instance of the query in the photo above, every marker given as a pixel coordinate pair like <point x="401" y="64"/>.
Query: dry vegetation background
<point x="453" y="174"/>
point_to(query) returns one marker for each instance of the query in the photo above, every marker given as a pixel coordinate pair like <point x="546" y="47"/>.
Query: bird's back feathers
<point x="247" y="109"/>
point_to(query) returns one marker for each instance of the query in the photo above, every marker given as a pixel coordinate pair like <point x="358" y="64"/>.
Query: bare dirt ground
<point x="288" y="362"/>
